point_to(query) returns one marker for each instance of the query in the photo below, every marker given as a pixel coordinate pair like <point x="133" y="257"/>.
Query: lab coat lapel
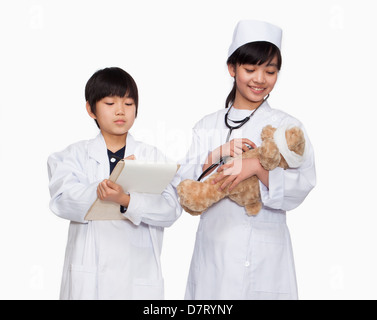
<point x="131" y="145"/>
<point x="265" y="107"/>
<point x="97" y="150"/>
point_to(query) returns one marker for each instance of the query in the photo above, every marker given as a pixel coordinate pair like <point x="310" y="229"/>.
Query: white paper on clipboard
<point x="146" y="177"/>
<point x="133" y="176"/>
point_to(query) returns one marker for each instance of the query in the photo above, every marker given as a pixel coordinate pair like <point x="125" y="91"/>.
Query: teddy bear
<point x="281" y="147"/>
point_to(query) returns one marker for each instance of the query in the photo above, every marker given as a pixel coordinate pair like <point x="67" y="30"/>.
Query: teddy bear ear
<point x="267" y="132"/>
<point x="295" y="140"/>
<point x="291" y="143"/>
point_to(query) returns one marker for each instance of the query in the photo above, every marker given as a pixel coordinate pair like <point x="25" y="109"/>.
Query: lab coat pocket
<point x="269" y="265"/>
<point x="83" y="282"/>
<point x="146" y="289"/>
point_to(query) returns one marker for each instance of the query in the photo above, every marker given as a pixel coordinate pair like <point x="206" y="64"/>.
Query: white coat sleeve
<point x="289" y="188"/>
<point x="154" y="209"/>
<point x="71" y="193"/>
<point x="192" y="165"/>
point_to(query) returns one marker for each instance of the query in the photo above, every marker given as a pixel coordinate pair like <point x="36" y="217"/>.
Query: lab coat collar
<point x="131" y="145"/>
<point x="265" y="107"/>
<point x="98" y="151"/>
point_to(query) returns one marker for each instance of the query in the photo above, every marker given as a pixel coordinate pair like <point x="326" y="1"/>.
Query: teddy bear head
<point x="283" y="147"/>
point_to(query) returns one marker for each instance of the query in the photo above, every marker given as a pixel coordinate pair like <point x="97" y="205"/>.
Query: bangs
<point x="256" y="53"/>
<point x="114" y="84"/>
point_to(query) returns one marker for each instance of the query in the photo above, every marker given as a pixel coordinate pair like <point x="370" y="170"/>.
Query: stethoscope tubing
<point x="240" y="123"/>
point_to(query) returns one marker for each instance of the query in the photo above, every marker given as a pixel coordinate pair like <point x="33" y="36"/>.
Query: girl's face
<point x="115" y="115"/>
<point x="253" y="83"/>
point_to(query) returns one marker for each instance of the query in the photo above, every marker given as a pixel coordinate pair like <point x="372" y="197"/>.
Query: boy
<point x="118" y="259"/>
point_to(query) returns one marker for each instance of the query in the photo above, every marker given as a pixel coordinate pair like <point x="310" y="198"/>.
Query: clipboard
<point x="133" y="176"/>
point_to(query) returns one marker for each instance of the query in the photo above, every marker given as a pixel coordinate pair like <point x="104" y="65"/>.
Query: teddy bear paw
<point x="253" y="209"/>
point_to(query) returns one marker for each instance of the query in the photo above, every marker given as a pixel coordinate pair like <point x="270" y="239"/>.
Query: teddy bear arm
<point x="193" y="213"/>
<point x="253" y="209"/>
<point x="199" y="196"/>
<point x="269" y="155"/>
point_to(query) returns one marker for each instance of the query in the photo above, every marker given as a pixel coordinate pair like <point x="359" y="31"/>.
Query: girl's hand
<point x="110" y="191"/>
<point x="238" y="170"/>
<point x="235" y="147"/>
<point x="232" y="148"/>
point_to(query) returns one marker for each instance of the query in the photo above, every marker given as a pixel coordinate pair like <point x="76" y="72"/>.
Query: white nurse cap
<point x="251" y="31"/>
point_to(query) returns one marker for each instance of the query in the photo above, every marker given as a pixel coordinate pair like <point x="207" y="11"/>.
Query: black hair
<point x="110" y="82"/>
<point x="255" y="53"/>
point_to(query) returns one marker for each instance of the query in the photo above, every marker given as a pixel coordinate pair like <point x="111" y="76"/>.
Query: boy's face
<point x="115" y="115"/>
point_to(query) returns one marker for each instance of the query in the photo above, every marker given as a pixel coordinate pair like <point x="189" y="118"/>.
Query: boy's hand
<point x="110" y="191"/>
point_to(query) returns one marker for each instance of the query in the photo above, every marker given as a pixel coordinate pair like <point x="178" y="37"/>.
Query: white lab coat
<point x="237" y="256"/>
<point x="109" y="259"/>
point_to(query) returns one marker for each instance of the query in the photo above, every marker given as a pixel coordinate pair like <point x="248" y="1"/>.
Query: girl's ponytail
<point x="231" y="96"/>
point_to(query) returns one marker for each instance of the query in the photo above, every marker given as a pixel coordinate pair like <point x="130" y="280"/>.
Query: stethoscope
<point x="239" y="124"/>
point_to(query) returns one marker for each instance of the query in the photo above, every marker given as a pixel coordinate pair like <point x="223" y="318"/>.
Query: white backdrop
<point x="176" y="52"/>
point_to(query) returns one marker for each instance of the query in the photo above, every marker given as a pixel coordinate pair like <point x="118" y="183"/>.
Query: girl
<point x="117" y="259"/>
<point x="237" y="256"/>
